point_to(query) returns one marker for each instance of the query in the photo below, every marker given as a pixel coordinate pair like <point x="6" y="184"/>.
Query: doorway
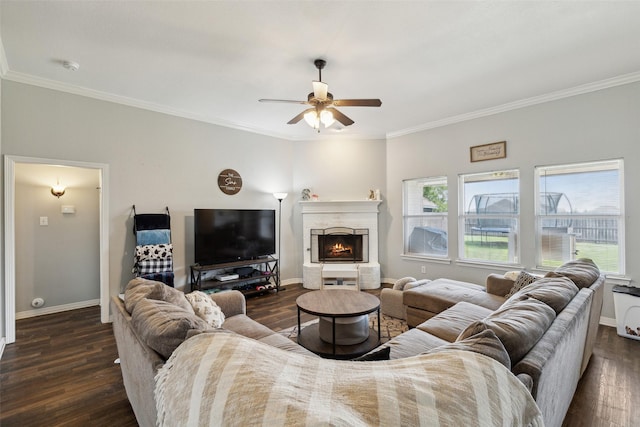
<point x="11" y="164"/>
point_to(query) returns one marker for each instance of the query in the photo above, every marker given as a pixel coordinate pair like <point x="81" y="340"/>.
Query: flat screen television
<point x="225" y="235"/>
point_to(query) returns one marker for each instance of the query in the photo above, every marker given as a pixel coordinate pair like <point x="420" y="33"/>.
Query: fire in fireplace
<point x="340" y="244"/>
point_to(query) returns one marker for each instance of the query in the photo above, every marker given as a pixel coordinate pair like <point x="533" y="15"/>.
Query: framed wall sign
<point x="229" y="181"/>
<point x="495" y="150"/>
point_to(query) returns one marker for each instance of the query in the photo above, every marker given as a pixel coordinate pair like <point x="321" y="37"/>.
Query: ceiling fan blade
<point x="287" y="101"/>
<point x="340" y="117"/>
<point x="320" y="90"/>
<point x="357" y="102"/>
<point x="299" y="117"/>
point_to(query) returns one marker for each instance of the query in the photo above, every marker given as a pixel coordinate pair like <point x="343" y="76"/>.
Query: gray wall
<point x="58" y="262"/>
<point x="2" y="291"/>
<point x="595" y="126"/>
<point x="337" y="169"/>
<point x="158" y="160"/>
<point x="155" y="161"/>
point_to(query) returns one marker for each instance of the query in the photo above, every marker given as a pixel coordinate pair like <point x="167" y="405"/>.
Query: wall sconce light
<point x="58" y="190"/>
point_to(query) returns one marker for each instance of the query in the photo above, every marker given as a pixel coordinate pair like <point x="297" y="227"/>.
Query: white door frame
<point x="10" y="237"/>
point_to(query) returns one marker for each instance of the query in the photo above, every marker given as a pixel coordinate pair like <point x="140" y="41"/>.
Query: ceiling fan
<point x="322" y="104"/>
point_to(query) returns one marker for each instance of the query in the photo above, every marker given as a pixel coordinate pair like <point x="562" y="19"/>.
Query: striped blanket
<point x="223" y="379"/>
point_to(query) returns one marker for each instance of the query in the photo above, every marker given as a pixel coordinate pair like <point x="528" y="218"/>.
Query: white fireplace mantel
<point x="341" y="213"/>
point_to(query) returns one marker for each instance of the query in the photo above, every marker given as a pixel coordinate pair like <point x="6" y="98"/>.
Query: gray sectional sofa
<point x="544" y="332"/>
<point x="564" y="327"/>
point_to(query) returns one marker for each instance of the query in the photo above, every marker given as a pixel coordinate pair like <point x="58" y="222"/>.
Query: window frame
<point x="406" y="217"/>
<point x="463" y="216"/>
<point x="596" y="166"/>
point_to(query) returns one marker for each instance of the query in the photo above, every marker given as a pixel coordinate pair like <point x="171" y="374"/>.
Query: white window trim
<point x="621" y="216"/>
<point x="462" y="216"/>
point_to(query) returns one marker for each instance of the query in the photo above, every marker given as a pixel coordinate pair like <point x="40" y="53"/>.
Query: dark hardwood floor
<point x="61" y="371"/>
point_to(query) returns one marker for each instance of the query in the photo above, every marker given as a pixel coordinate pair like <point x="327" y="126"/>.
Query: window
<point x="579" y="214"/>
<point x="489" y="216"/>
<point x="425" y="208"/>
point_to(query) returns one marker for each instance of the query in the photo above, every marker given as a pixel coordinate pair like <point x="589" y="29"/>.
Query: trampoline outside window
<point x="425" y="208"/>
<point x="490" y="216"/>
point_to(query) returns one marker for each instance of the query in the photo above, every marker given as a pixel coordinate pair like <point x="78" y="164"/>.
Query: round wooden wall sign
<point x="229" y="182"/>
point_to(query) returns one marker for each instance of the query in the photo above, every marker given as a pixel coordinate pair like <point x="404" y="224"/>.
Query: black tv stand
<point x="266" y="276"/>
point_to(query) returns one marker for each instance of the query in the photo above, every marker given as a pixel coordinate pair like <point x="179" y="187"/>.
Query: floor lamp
<point x="280" y="197"/>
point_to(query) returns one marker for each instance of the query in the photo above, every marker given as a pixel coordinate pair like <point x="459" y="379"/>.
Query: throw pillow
<point x="206" y="308"/>
<point x="381" y="354"/>
<point x="522" y="280"/>
<point x="485" y="342"/>
<point x="519" y="324"/>
<point x="583" y="272"/>
<point x="554" y="290"/>
<point x="140" y="288"/>
<point x="512" y="275"/>
<point x="163" y="326"/>
<point x="399" y="285"/>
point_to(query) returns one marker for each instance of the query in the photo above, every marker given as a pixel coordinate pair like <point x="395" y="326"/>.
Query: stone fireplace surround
<point x="341" y="213"/>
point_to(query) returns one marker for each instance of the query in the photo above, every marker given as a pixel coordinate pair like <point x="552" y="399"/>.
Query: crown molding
<point x="130" y="102"/>
<point x="7" y="74"/>
<point x="553" y="96"/>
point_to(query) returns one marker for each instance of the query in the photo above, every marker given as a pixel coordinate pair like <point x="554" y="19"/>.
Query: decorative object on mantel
<point x="315" y="197"/>
<point x="230" y="182"/>
<point x="494" y="150"/>
<point x="374" y="194"/>
<point x="306" y="194"/>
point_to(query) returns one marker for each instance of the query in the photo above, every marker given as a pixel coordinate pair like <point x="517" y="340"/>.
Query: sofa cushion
<point x="485" y="342"/>
<point x="163" y="326"/>
<point x="377" y="354"/>
<point x="583" y="272"/>
<point x="440" y="294"/>
<point x="521" y="281"/>
<point x="556" y="292"/>
<point x="451" y="322"/>
<point x="519" y="324"/>
<point x="244" y="325"/>
<point x="140" y="288"/>
<point x="206" y="308"/>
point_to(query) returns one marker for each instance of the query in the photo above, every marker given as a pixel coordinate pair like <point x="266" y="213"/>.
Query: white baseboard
<point x="56" y="309"/>
<point x="608" y="321"/>
<point x="2" y="342"/>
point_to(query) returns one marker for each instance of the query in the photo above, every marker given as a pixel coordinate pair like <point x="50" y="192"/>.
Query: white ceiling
<point x="430" y="62"/>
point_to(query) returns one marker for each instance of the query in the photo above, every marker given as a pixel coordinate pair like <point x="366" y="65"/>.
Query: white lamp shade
<point x="312" y="119"/>
<point x="327" y="118"/>
<point x="280" y="196"/>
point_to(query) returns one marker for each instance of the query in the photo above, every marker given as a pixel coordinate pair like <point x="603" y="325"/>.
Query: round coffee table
<point x="341" y="309"/>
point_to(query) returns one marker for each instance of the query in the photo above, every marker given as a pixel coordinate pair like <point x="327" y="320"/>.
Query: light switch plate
<point x="44" y="220"/>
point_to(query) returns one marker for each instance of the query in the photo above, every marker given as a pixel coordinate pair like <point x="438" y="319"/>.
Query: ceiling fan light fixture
<point x="312" y="119"/>
<point x="326" y="117"/>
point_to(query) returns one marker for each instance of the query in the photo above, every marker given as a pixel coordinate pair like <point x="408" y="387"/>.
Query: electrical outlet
<point x="423" y="269"/>
<point x="44" y="220"/>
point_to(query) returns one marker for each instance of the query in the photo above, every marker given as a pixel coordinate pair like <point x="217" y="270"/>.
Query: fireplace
<point x="340" y="244"/>
<point x="340" y="235"/>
